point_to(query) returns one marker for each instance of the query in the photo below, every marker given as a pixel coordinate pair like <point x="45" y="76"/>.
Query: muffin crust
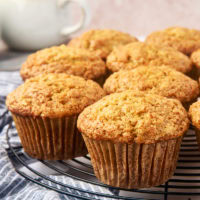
<point x="182" y="39"/>
<point x="102" y="42"/>
<point x="135" y="54"/>
<point x="130" y="117"/>
<point x="63" y="59"/>
<point x="53" y="95"/>
<point x="161" y="80"/>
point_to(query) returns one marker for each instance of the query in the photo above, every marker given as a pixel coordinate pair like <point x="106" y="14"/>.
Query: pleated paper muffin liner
<point x="50" y="139"/>
<point x="133" y="165"/>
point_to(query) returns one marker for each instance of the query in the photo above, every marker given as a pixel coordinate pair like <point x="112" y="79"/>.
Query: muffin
<point x="133" y="138"/>
<point x="102" y="42"/>
<point x="182" y="39"/>
<point x="45" y="110"/>
<point x="160" y="80"/>
<point x="63" y="59"/>
<point x="136" y="54"/>
<point x="194" y="114"/>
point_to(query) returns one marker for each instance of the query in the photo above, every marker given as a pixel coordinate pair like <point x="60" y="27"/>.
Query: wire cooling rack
<point x="185" y="184"/>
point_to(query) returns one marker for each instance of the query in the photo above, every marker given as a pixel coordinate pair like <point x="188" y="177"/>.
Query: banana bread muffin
<point x="136" y="54"/>
<point x="133" y="138"/>
<point x="45" y="110"/>
<point x="63" y="59"/>
<point x="194" y="114"/>
<point x="102" y="42"/>
<point x="182" y="39"/>
<point x="160" y="80"/>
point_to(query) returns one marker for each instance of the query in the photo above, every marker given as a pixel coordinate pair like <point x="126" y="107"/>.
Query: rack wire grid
<point x="185" y="184"/>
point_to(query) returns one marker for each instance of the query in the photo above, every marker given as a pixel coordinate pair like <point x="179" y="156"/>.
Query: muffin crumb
<point x="130" y="117"/>
<point x="102" y="42"/>
<point x="136" y="54"/>
<point x="182" y="39"/>
<point x="160" y="80"/>
<point x="63" y="59"/>
<point x="53" y="95"/>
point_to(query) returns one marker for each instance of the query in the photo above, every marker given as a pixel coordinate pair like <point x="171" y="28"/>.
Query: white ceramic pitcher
<point x="36" y="24"/>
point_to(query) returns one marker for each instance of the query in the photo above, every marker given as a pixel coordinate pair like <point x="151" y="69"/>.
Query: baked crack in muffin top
<point x="102" y="42"/>
<point x="130" y="117"/>
<point x="53" y="95"/>
<point x="160" y="80"/>
<point x="63" y="59"/>
<point x="136" y="54"/>
<point x="182" y="39"/>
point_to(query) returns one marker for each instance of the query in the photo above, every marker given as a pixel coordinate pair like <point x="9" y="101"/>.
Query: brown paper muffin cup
<point x="50" y="139"/>
<point x="133" y="165"/>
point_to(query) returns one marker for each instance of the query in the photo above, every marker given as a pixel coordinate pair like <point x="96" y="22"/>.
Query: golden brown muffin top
<point x="63" y="59"/>
<point x="135" y="54"/>
<point x="194" y="114"/>
<point x="195" y="58"/>
<point x="102" y="42"/>
<point x="53" y="95"/>
<point x="182" y="39"/>
<point x="130" y="117"/>
<point x="160" y="80"/>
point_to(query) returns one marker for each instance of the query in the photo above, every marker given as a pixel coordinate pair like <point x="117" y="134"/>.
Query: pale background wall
<point x="140" y="17"/>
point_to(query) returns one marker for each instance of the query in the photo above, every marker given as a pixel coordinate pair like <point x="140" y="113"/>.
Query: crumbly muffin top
<point x="102" y="42"/>
<point x="194" y="114"/>
<point x="63" y="59"/>
<point x="134" y="117"/>
<point x="195" y="58"/>
<point x="182" y="39"/>
<point x="160" y="80"/>
<point x="138" y="53"/>
<point x="53" y="95"/>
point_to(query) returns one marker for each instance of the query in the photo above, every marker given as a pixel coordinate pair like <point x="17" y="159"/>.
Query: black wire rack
<point x="185" y="184"/>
